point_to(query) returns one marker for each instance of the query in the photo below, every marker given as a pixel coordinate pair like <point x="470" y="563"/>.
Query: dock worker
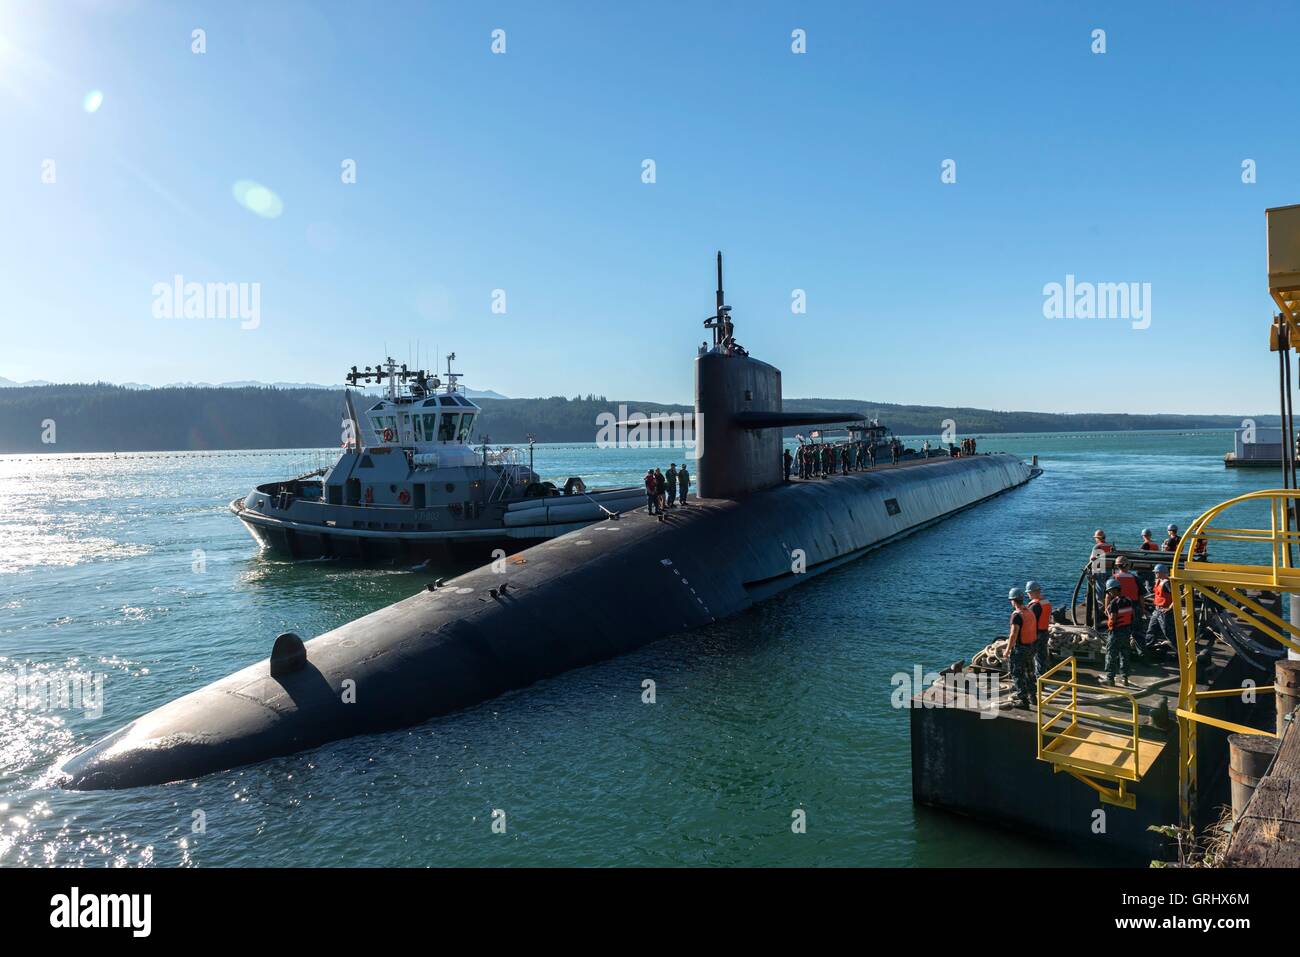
<point x="925" y="448"/>
<point x="787" y="460"/>
<point x="1119" y="623"/>
<point x="1199" y="550"/>
<point x="1148" y="543"/>
<point x="1161" y="624"/>
<point x="683" y="483"/>
<point x="651" y="499"/>
<point x="660" y="485"/>
<point x="1171" y="543"/>
<point x="1128" y="586"/>
<point x="670" y="483"/>
<point x="1041" y="609"/>
<point x="1099" y="542"/>
<point x="1021" y="640"/>
<point x="846" y="459"/>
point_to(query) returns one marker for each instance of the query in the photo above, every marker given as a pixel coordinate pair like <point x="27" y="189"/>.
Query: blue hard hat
<point x="1112" y="585"/>
<point x="1162" y="569"/>
<point x="1033" y="586"/>
<point x="1146" y="533"/>
<point x="1016" y="595"/>
<point x="1172" y="528"/>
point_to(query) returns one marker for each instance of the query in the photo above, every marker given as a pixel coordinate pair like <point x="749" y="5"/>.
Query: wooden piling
<point x="1286" y="681"/>
<point x="1249" y="757"/>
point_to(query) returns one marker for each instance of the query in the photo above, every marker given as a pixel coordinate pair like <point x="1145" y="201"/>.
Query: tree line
<point x="108" y="418"/>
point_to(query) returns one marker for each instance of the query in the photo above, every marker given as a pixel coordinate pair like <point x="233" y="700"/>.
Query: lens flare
<point x="256" y="198"/>
<point x="92" y="101"/>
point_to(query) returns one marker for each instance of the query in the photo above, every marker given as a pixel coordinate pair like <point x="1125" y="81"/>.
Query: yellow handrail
<point x="1224" y="584"/>
<point x="1130" y="724"/>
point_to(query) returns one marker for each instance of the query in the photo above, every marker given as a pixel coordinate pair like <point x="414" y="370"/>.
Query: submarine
<point x="579" y="598"/>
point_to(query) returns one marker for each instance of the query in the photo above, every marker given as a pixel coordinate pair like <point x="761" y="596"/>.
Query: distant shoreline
<point x="107" y="419"/>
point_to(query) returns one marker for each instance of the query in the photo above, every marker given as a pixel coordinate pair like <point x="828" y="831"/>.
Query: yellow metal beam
<point x="1220" y="723"/>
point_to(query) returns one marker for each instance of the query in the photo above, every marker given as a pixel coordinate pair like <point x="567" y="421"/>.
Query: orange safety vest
<point x="1149" y="547"/>
<point x="1171" y="543"/>
<point x="1199" y="548"/>
<point x="1042" y="609"/>
<point x="1128" y="585"/>
<point x="1119" y="612"/>
<point x="1163" y="595"/>
<point x="1028" y="627"/>
<point x="1106" y="547"/>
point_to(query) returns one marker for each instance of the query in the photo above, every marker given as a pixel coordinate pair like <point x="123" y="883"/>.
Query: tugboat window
<point x="466" y="423"/>
<point x="430" y="425"/>
<point x="447" y="427"/>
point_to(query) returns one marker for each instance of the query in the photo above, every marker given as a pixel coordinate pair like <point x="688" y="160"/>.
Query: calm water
<point x="131" y="568"/>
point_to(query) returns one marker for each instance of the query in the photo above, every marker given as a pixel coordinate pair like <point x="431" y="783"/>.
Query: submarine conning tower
<point x="738" y="414"/>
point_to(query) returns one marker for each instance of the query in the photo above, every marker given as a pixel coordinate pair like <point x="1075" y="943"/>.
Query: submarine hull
<point x="577" y="599"/>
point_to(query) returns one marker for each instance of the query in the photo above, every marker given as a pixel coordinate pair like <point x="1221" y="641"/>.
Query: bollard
<point x="1286" y="684"/>
<point x="1249" y="756"/>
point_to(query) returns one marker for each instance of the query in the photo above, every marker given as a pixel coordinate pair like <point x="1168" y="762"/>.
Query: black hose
<point x="1074" y="599"/>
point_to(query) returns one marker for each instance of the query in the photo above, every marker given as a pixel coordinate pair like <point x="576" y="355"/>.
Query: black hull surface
<point x="306" y="544"/>
<point x="594" y="593"/>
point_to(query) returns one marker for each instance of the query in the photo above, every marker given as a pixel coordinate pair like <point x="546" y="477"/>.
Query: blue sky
<point x="523" y="172"/>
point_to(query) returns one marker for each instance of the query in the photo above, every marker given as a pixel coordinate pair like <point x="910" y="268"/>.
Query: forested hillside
<point x="102" y="418"/>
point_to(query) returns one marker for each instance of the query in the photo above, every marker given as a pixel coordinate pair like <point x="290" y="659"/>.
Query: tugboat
<point x="871" y="435"/>
<point x="410" y="486"/>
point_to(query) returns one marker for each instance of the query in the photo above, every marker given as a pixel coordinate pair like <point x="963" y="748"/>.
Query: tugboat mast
<point x="451" y="376"/>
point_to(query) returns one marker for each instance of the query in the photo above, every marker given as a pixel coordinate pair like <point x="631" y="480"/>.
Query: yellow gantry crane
<point x="1108" y="760"/>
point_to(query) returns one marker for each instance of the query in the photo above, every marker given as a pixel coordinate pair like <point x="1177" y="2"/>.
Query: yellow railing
<point x="1077" y="749"/>
<point x="1047" y="737"/>
<point x="1226" y="586"/>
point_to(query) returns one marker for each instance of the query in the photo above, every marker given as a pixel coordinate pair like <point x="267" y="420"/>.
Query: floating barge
<point x="1255" y="448"/>
<point x="1046" y="772"/>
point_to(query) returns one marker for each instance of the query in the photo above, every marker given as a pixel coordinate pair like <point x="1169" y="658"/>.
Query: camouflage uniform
<point x="1117" y="644"/>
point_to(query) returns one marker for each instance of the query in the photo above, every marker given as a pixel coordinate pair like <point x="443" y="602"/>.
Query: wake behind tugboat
<point x="410" y="486"/>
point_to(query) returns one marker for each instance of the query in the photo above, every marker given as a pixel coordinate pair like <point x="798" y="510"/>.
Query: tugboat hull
<point x="304" y="542"/>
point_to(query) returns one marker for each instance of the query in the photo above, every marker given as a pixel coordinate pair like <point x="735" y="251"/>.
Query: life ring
<point x="403" y="496"/>
<point x="388" y="435"/>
